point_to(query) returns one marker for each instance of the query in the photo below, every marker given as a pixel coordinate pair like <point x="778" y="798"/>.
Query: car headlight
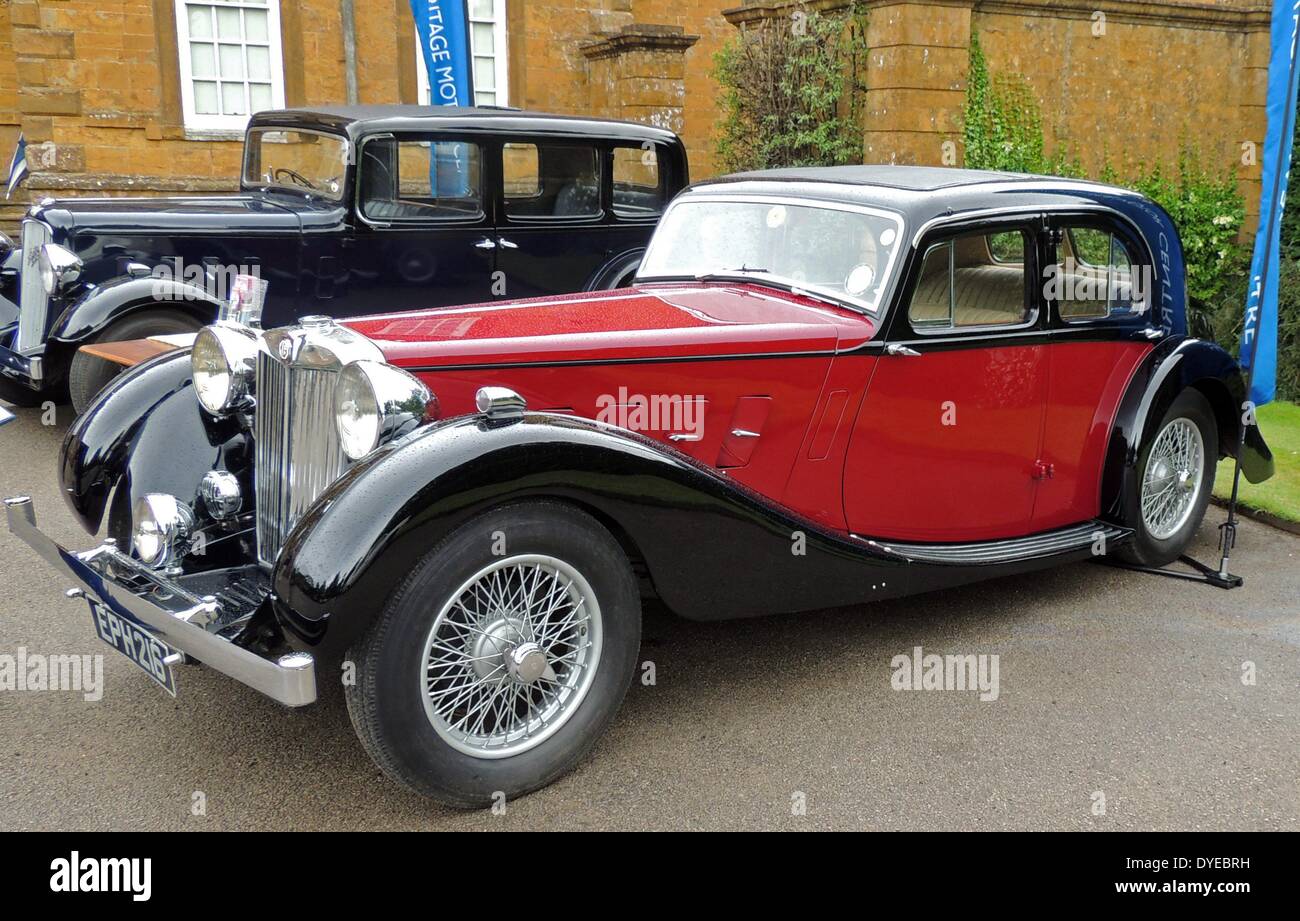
<point x="161" y="530"/>
<point x="59" y="267"/>
<point x="375" y="403"/>
<point x="224" y="361"/>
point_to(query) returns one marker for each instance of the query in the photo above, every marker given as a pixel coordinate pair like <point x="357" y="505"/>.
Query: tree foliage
<point x="792" y="92"/>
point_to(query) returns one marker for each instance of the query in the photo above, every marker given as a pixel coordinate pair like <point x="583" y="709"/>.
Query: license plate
<point x="136" y="643"/>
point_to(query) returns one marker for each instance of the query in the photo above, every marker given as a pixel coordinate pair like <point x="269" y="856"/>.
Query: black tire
<point x="1146" y="549"/>
<point x="87" y="375"/>
<point x="386" y="702"/>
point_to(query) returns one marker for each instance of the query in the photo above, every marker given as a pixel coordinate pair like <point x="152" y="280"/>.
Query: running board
<point x="1075" y="538"/>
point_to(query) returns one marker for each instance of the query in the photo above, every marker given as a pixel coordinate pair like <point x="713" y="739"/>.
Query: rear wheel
<point x="1174" y="481"/>
<point x="87" y="375"/>
<point x="497" y="664"/>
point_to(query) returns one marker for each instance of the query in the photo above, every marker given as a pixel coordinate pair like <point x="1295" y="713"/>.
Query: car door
<point x="552" y="233"/>
<point x="946" y="444"/>
<point x="1099" y="293"/>
<point x="425" y="235"/>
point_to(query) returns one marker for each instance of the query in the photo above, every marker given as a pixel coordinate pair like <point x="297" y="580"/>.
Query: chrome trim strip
<point x="291" y="679"/>
<point x="1049" y="543"/>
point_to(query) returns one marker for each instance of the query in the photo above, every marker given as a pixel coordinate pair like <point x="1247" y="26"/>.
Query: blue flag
<point x="443" y="28"/>
<point x="17" y="167"/>
<point x="1259" y="331"/>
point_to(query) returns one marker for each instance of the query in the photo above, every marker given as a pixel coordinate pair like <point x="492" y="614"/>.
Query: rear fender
<point x="1173" y="366"/>
<point x="618" y="267"/>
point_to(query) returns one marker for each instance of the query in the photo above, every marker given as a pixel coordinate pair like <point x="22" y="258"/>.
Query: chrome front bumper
<point x="166" y="610"/>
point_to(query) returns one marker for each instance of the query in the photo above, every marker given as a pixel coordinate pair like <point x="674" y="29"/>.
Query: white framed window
<point x="231" y="61"/>
<point x="487" y="41"/>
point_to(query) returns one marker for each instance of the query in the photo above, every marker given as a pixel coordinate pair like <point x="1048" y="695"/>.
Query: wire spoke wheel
<point x="511" y="655"/>
<point x="1172" y="480"/>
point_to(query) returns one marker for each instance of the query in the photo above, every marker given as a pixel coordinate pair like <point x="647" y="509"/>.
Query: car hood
<point x="226" y="214"/>
<point x="680" y="321"/>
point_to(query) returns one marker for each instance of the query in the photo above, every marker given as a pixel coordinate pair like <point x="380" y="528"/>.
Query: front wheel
<point x="88" y="374"/>
<point x="1167" y="498"/>
<point x="497" y="664"/>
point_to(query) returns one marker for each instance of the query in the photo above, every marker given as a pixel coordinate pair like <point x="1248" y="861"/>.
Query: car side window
<point x="550" y="181"/>
<point x="1094" y="277"/>
<point x="638" y="185"/>
<point x="973" y="280"/>
<point x="420" y="181"/>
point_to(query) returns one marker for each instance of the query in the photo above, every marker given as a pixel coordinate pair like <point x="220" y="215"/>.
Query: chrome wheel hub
<point x="1171" y="483"/>
<point x="511" y="655"/>
<point x="527" y="662"/>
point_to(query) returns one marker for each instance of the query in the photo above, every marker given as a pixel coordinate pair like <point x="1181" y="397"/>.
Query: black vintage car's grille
<point x="32" y="300"/>
<point x="297" y="448"/>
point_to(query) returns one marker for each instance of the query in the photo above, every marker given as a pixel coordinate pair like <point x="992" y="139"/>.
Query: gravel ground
<point x="1111" y="683"/>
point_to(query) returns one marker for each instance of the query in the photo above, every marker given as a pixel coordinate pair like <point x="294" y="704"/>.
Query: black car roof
<point x="367" y="119"/>
<point x="921" y="193"/>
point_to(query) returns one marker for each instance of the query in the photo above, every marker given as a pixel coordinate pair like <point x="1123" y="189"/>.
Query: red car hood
<point x="651" y="321"/>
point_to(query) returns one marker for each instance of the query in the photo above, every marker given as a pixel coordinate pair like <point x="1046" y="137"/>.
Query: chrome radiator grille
<point x="297" y="452"/>
<point x="32" y="300"/>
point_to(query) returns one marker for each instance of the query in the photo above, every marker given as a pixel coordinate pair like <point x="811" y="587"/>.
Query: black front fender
<point x="105" y="304"/>
<point x="144" y="433"/>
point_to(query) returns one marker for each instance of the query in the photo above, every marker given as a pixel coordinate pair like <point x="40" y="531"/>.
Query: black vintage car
<point x="342" y="211"/>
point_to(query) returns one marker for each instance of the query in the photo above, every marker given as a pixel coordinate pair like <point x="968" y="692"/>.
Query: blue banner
<point x="1259" y="331"/>
<point x="443" y="28"/>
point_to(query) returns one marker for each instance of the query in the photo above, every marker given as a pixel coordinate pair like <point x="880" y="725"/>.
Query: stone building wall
<point x="1124" y="82"/>
<point x="94" y="84"/>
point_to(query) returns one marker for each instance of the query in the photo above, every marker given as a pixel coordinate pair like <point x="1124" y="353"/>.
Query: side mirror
<point x="6" y="245"/>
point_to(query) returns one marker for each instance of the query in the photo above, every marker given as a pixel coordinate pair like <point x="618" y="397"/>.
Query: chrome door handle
<point x="680" y="436"/>
<point x="485" y="244"/>
<point x="897" y="348"/>
<point x="506" y="244"/>
<point x="1153" y="333"/>
<point x="743" y="433"/>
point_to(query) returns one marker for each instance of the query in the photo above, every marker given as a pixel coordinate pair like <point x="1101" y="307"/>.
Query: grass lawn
<point x="1280" y="425"/>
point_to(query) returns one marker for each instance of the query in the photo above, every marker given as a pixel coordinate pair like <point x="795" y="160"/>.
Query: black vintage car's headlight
<point x="224" y="362"/>
<point x="375" y="403"/>
<point x="59" y="267"/>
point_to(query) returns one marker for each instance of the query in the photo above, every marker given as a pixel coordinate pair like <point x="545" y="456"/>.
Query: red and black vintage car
<point x="825" y="387"/>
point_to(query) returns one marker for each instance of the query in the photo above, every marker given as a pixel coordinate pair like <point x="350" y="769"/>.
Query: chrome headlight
<point x="224" y="362"/>
<point x="161" y="530"/>
<point x="59" y="267"/>
<point x="375" y="403"/>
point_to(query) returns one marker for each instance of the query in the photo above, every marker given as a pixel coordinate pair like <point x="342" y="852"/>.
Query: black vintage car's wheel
<point x="88" y="375"/>
<point x="1173" y="482"/>
<point x="499" y="661"/>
